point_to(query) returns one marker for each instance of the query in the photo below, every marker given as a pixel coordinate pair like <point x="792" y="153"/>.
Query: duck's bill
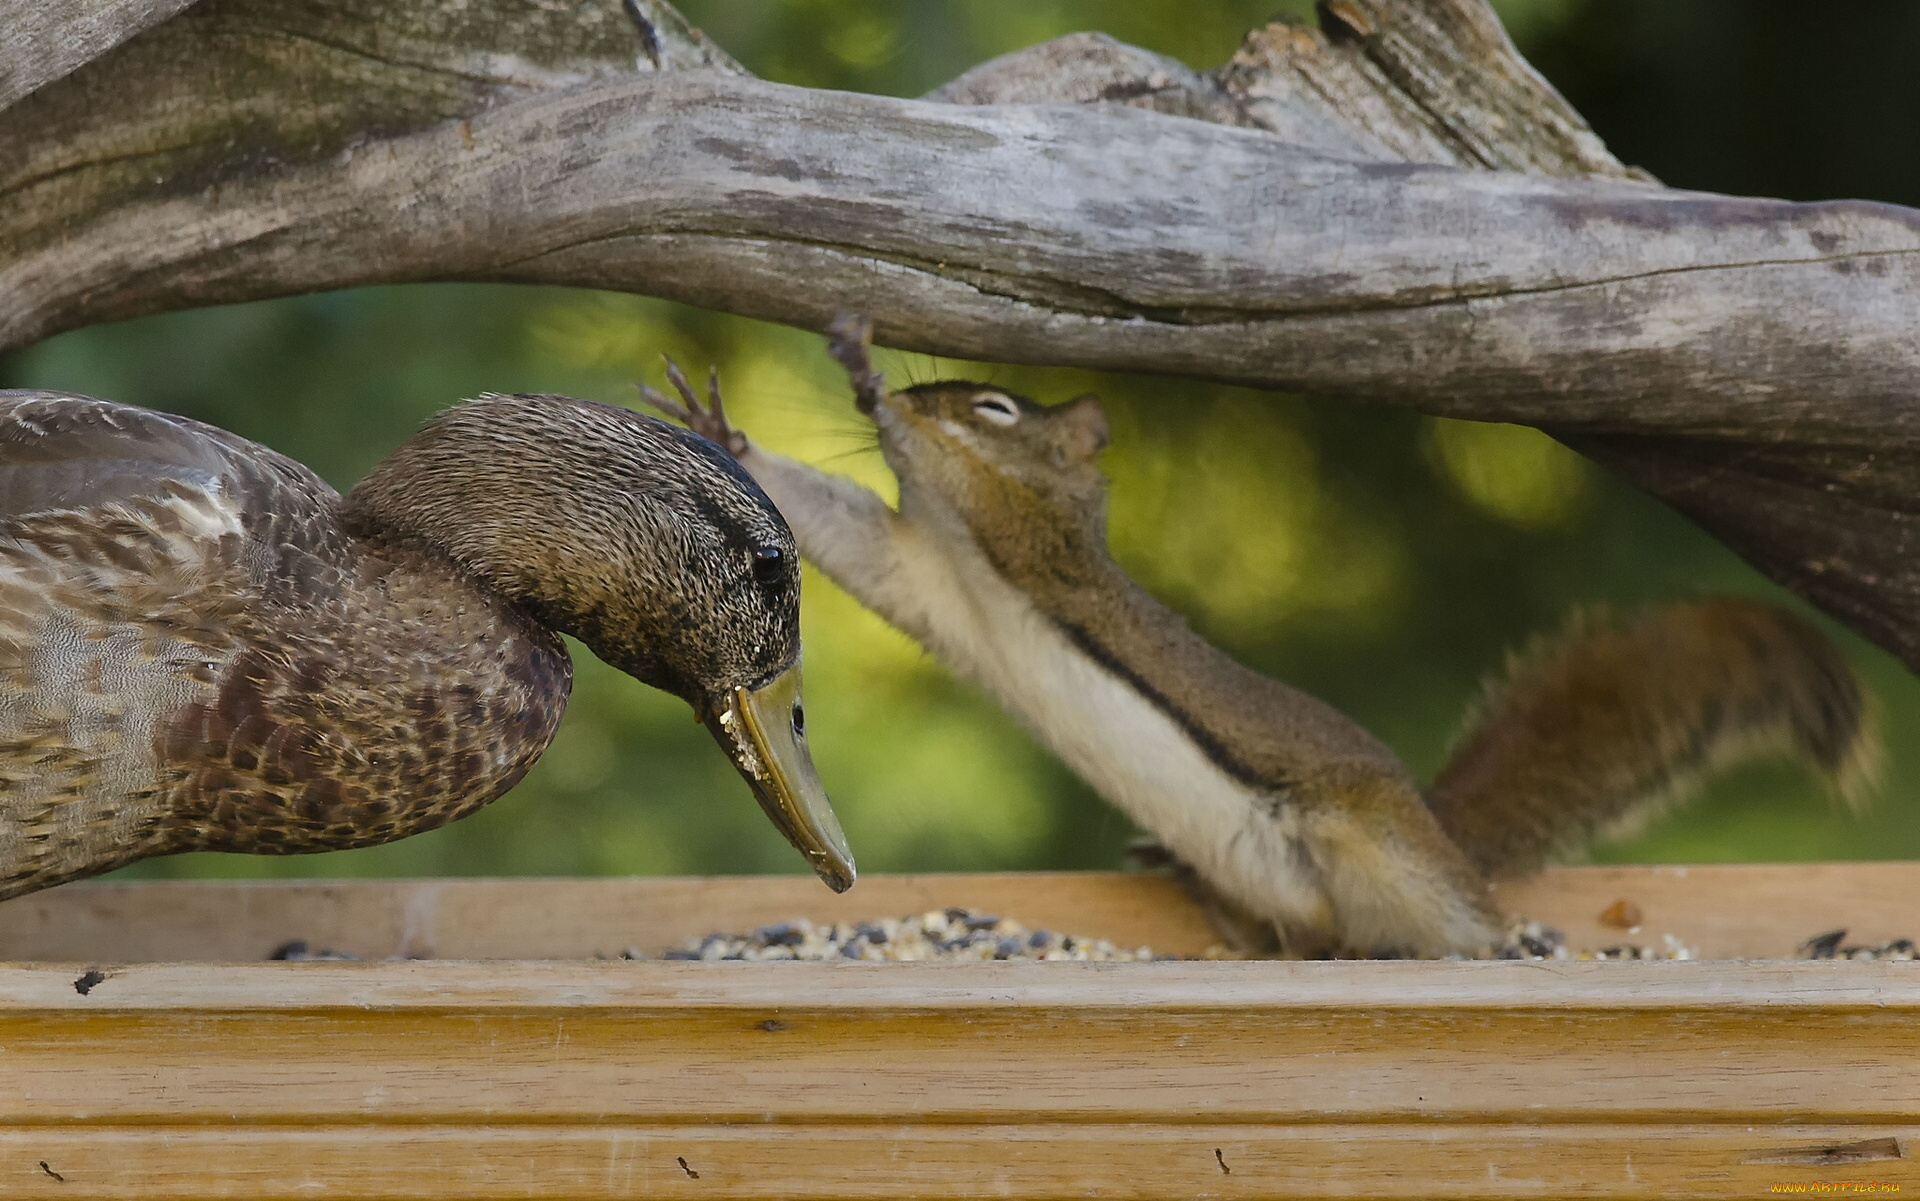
<point x="763" y="733"/>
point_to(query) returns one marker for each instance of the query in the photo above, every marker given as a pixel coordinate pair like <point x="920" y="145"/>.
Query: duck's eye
<point x="768" y="565"/>
<point x="997" y="409"/>
<point x="799" y="721"/>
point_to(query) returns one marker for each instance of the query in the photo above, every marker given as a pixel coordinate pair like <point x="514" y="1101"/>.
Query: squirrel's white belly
<point x="935" y="585"/>
<point x="1117" y="740"/>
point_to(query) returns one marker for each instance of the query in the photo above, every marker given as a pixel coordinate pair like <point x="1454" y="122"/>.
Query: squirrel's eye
<point x="768" y="565"/>
<point x="997" y="409"/>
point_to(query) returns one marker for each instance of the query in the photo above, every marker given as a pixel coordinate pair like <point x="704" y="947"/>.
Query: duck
<point x="204" y="646"/>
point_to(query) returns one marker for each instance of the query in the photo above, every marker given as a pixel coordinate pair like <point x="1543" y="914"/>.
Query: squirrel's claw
<point x="666" y="408"/>
<point x="709" y="422"/>
<point x="849" y="338"/>
<point x="715" y="405"/>
<point x="678" y="379"/>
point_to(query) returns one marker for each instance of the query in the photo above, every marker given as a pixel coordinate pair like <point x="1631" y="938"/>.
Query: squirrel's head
<point x="1022" y="477"/>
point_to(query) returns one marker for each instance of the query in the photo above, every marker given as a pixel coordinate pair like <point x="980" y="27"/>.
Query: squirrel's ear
<point x="1080" y="427"/>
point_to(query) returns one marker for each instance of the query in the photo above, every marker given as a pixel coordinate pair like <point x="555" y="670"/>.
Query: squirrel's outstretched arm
<point x="844" y="529"/>
<point x="848" y="532"/>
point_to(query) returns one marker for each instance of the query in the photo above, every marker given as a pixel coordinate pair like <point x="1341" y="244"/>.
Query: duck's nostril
<point x="799" y="721"/>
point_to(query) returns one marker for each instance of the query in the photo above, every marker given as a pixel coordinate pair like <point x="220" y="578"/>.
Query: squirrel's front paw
<point x="709" y="422"/>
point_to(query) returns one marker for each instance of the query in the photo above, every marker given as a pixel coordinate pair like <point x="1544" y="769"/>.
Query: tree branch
<point x="1751" y="360"/>
<point x="45" y="42"/>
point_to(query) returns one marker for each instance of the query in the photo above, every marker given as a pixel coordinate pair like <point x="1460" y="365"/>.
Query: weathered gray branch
<point x="41" y="42"/>
<point x="1434" y="82"/>
<point x="1751" y="360"/>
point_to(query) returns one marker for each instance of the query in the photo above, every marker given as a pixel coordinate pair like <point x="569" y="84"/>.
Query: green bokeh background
<point x="1381" y="559"/>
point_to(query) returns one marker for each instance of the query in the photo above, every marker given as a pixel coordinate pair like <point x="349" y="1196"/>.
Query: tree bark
<point x="1394" y="207"/>
<point x="45" y="42"/>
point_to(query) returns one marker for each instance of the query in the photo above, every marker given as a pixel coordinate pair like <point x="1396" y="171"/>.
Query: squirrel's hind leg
<point x="1397" y="885"/>
<point x="1240" y="929"/>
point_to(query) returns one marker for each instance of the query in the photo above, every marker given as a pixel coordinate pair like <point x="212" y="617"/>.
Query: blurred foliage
<point x="1381" y="559"/>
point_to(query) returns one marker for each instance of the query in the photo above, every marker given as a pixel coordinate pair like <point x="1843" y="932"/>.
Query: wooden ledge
<point x="516" y="1072"/>
<point x="591" y="1162"/>
<point x="1722" y="911"/>
<point x="1198" y="990"/>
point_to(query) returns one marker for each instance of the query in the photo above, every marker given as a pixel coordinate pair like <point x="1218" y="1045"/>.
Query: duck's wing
<point x="137" y="550"/>
<point x="60" y="452"/>
<point x="71" y="467"/>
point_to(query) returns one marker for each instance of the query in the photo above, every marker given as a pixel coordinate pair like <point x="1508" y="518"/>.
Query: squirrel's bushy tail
<point x="1606" y="723"/>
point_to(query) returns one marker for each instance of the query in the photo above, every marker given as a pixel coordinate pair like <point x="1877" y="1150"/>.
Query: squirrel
<point x="1297" y="820"/>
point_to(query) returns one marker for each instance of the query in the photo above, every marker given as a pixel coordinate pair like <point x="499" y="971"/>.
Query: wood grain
<point x="1726" y="911"/>
<point x="1488" y="287"/>
<point x="596" y="1079"/>
<point x="1722" y="911"/>
<point x="555" y="919"/>
<point x="44" y="42"/>
<point x="1029" y="1044"/>
<point x="619" y="1160"/>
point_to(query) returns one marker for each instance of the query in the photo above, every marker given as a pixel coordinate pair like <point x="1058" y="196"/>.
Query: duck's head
<point x="646" y="542"/>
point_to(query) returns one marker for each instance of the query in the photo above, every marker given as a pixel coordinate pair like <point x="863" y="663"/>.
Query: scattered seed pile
<point x="1827" y="946"/>
<point x="298" y="951"/>
<point x="966" y="934"/>
<point x="1532" y="940"/>
<point x="957" y="934"/>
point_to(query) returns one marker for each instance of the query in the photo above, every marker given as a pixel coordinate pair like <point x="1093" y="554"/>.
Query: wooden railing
<point x="551" y="1075"/>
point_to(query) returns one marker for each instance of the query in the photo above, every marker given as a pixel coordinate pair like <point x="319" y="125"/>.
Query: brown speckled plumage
<point x="203" y="646"/>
